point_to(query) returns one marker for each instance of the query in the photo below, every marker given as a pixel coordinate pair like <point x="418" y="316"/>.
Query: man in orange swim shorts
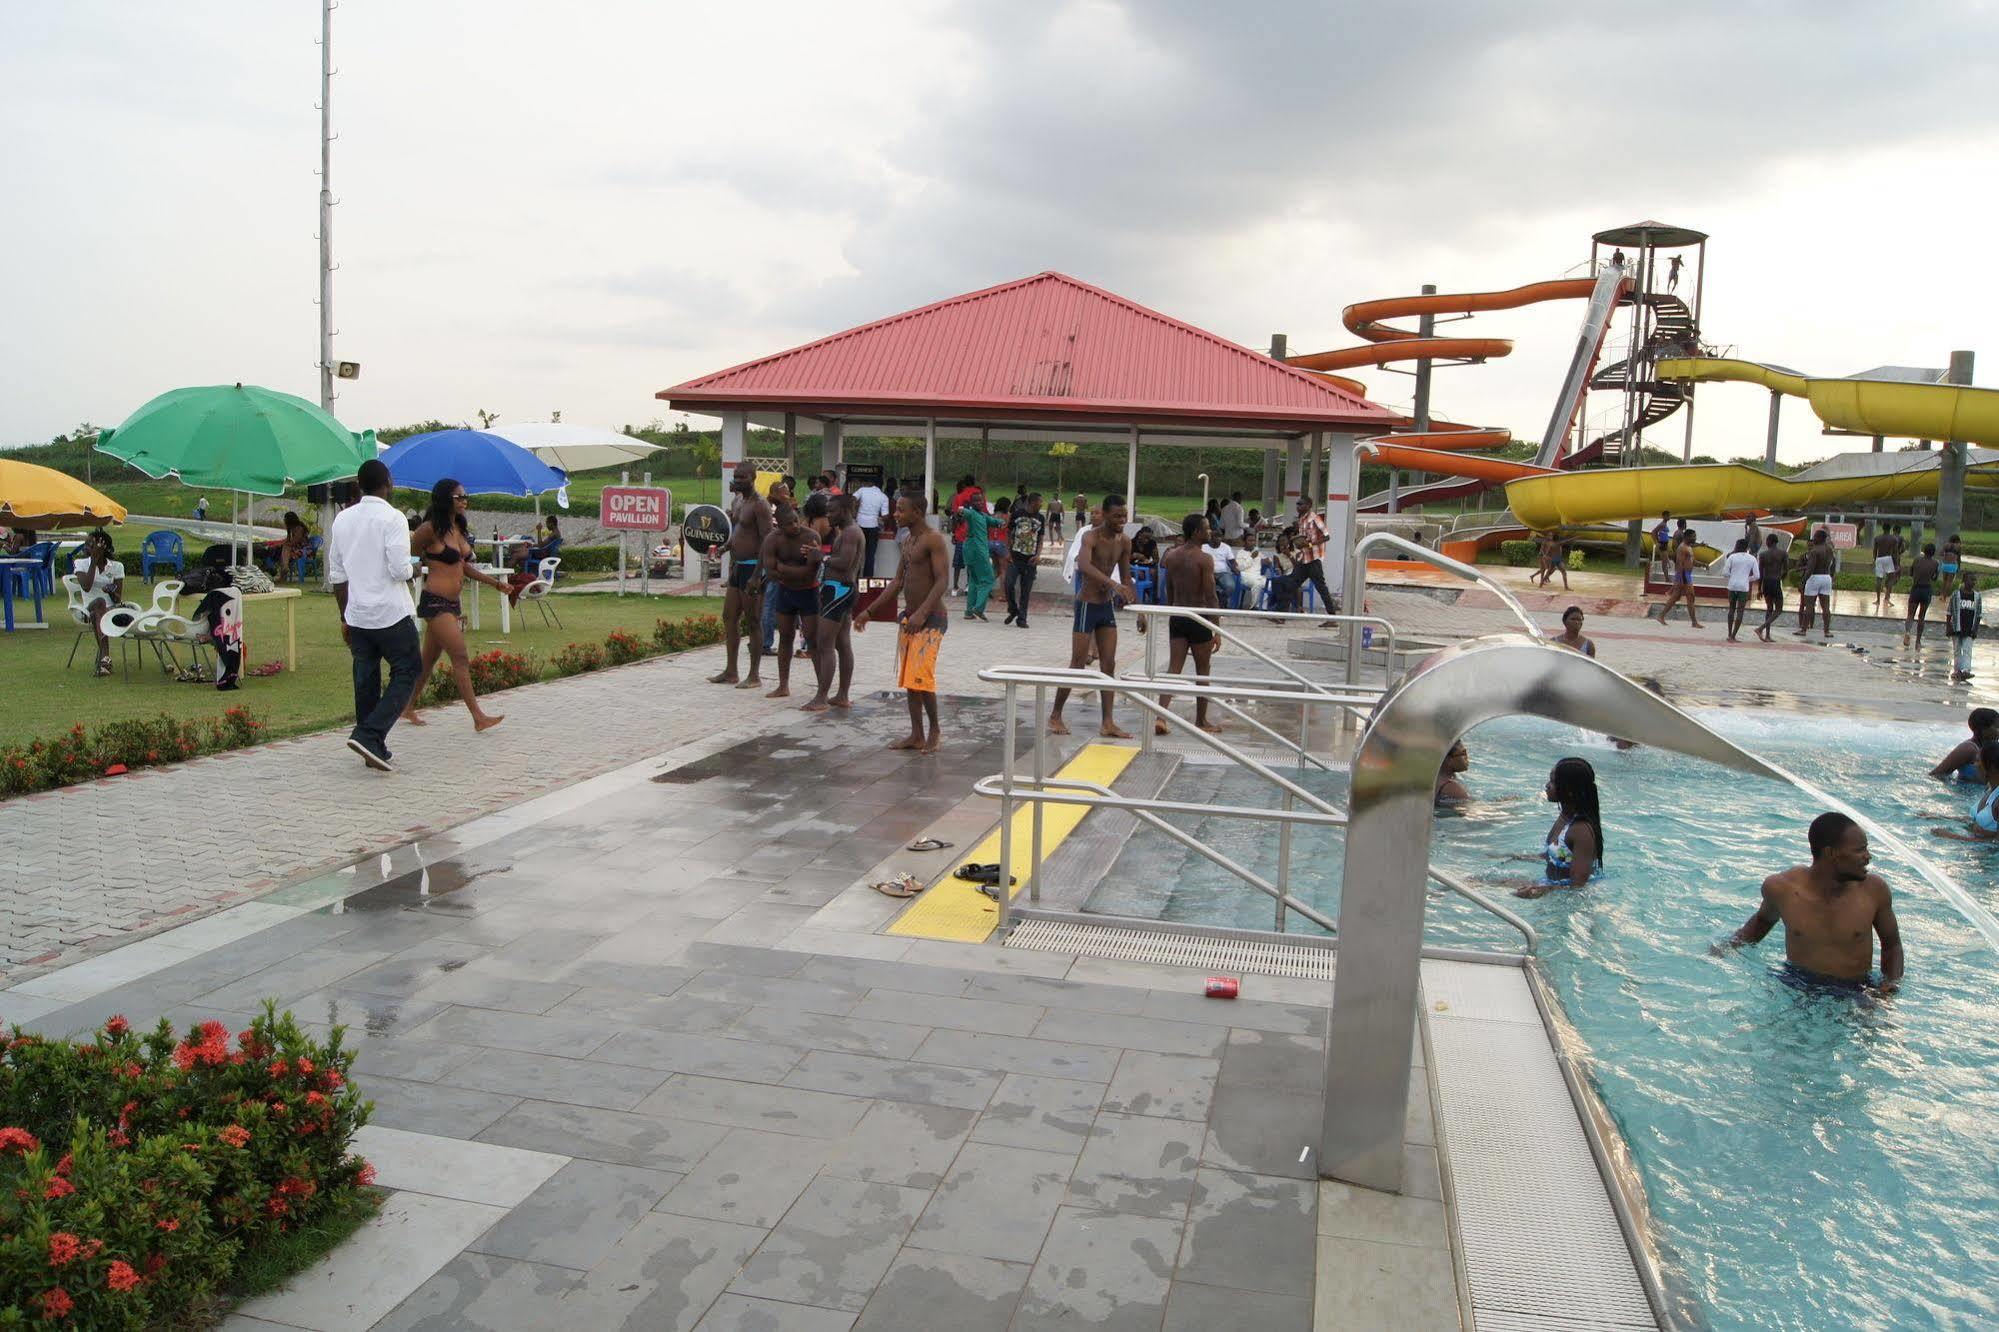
<point x="920" y="580"/>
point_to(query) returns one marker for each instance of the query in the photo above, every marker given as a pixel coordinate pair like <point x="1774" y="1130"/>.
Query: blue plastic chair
<point x="45" y="577"/>
<point x="159" y="551"/>
<point x="1143" y="578"/>
<point x="304" y="563"/>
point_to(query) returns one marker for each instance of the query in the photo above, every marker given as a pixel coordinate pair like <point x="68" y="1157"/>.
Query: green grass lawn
<point x="44" y="698"/>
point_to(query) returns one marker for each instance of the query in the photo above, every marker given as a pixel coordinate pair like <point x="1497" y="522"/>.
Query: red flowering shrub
<point x="183" y="1153"/>
<point x="692" y="632"/>
<point x="80" y="755"/>
<point x="621" y="647"/>
<point x="491" y="672"/>
<point x="578" y="658"/>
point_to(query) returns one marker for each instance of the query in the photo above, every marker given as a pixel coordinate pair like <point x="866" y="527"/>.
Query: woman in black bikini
<point x="445" y="544"/>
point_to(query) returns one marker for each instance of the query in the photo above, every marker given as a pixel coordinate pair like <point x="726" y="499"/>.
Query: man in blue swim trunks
<point x="1831" y="910"/>
<point x="791" y="557"/>
<point x="832" y="520"/>
<point x="1103" y="562"/>
<point x="749" y="524"/>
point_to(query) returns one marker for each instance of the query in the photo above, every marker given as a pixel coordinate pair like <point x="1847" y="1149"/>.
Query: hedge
<point x="138" y="1174"/>
<point x="80" y="754"/>
<point x="499" y="669"/>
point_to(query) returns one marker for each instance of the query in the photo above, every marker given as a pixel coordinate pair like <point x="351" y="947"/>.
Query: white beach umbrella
<point x="574" y="448"/>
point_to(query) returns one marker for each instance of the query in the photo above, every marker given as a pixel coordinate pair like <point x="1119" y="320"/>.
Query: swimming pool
<point x="1810" y="1163"/>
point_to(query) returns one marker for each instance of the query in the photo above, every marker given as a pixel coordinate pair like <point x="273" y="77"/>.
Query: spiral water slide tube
<point x="1439" y="450"/>
<point x="1865" y="406"/>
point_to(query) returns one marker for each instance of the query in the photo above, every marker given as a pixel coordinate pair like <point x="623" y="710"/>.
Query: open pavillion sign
<point x="635" y="508"/>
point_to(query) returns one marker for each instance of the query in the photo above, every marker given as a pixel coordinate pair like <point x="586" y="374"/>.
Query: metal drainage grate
<point x="1212" y="953"/>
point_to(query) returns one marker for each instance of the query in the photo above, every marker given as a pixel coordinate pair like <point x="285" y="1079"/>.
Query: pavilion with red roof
<point x="1045" y="357"/>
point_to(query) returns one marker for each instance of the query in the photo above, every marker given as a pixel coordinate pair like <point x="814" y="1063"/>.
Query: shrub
<point x="578" y="658"/>
<point x="80" y="754"/>
<point x="182" y="1158"/>
<point x="692" y="632"/>
<point x="587" y="559"/>
<point x="621" y="647"/>
<point x="1520" y="552"/>
<point x="491" y="672"/>
<point x="1576" y="560"/>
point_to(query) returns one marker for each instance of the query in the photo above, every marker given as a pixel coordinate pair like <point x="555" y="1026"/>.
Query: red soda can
<point x="1222" y="987"/>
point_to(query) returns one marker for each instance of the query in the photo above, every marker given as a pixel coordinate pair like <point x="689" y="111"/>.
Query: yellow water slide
<point x="1864" y="406"/>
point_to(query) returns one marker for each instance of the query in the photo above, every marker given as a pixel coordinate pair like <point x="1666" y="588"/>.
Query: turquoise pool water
<point x="1810" y="1163"/>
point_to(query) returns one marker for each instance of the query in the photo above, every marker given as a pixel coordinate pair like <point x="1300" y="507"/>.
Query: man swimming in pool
<point x="1961" y="764"/>
<point x="1190" y="581"/>
<point x="1830" y="910"/>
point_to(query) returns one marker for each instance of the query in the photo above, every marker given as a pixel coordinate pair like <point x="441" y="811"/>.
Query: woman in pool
<point x="1962" y="763"/>
<point x="1451" y="791"/>
<point x="1983" y="825"/>
<point x="444" y="543"/>
<point x="1573" y="854"/>
<point x="1572" y="633"/>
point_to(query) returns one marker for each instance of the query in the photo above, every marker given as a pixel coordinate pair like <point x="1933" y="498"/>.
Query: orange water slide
<point x="1448" y="464"/>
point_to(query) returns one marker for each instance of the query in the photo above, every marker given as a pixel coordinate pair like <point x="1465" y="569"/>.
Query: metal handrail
<point x="1466" y="891"/>
<point x="1440" y="561"/>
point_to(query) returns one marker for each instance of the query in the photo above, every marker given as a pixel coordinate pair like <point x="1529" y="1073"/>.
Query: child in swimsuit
<point x="1573" y="853"/>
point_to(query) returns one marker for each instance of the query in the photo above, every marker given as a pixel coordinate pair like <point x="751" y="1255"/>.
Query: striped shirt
<point x="1311" y="538"/>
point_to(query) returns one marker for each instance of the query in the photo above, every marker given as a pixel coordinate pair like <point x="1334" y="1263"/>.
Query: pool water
<point x="1811" y="1162"/>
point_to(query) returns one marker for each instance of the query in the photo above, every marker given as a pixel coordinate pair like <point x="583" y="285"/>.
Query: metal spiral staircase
<point x="1673" y="333"/>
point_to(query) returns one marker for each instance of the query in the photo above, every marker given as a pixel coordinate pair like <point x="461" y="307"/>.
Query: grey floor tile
<point x="424" y="1107"/>
<point x="741" y="1313"/>
<point x="543" y="952"/>
<point x="302" y="973"/>
<point x="485" y="989"/>
<point x="406" y="974"/>
<point x="1170" y="1085"/>
<point x="1422" y="1173"/>
<point x="1255" y="1014"/>
<point x="903" y="977"/>
<point x="756" y="1105"/>
<point x="760" y="923"/>
<point x="1106" y="1270"/>
<point x="476" y="1290"/>
<point x="1133" y="1033"/>
<point x="1271" y="1059"/>
<point x="833" y="1245"/>
<point x="1364" y="1284"/>
<point x="925" y="1290"/>
<point x="1047" y="1114"/>
<point x="578" y="1216"/>
<point x="1256" y="1232"/>
<point x="1388" y="1218"/>
<point x="936" y="1010"/>
<point x="514" y="1031"/>
<point x="798" y="996"/>
<point x="364" y="1015"/>
<point x="1140" y="1164"/>
<point x="894" y="1080"/>
<point x="551" y="1078"/>
<point x="712" y="1056"/>
<point x="1264" y="1131"/>
<point x="1054" y="993"/>
<point x="1019" y="1054"/>
<point x="1192" y="1308"/>
<point x="739" y="961"/>
<point x="638" y="977"/>
<point x="995" y="1202"/>
<point x="632" y="1010"/>
<point x="818" y="1031"/>
<point x="662" y="1276"/>
<point x="749" y="1177"/>
<point x="896" y="1143"/>
<point x="411" y="1061"/>
<point x="603" y="1135"/>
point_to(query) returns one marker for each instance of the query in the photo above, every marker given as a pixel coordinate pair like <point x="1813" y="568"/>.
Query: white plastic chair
<point x="166" y="596"/>
<point x="543" y="584"/>
<point x="79" y="610"/>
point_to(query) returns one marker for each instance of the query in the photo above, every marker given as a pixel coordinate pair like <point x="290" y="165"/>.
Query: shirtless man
<point x="1190" y="581"/>
<point x="833" y="522"/>
<point x="1924" y="571"/>
<point x="1819" y="561"/>
<point x="1831" y="909"/>
<point x="921" y="578"/>
<point x="1683" y="580"/>
<point x="1104" y="563"/>
<point x="749" y="524"/>
<point x="791" y="555"/>
<point x="1772" y="564"/>
<point x="1886" y="547"/>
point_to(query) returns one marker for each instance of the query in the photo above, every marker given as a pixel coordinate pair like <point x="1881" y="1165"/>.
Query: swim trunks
<point x="1686" y="577"/>
<point x="836" y="600"/>
<point x="741" y="572"/>
<point x="1194" y="631"/>
<point x="798" y="601"/>
<point x="1773" y="589"/>
<point x="916" y="656"/>
<point x="1818" y="585"/>
<point x="1949" y="568"/>
<point x="1094" y="615"/>
<point x="430" y="605"/>
<point x="1920" y="595"/>
<point x="1839" y="987"/>
<point x="1884" y="565"/>
<point x="1736" y="598"/>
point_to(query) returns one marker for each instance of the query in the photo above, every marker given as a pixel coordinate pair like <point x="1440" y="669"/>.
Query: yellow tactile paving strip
<point x="955" y="910"/>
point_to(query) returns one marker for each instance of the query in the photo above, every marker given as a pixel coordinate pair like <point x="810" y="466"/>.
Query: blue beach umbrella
<point x="484" y="464"/>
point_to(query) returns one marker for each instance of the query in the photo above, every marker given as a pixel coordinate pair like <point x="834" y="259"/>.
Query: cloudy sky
<point x="572" y="206"/>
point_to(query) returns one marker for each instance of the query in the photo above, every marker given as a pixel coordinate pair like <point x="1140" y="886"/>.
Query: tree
<point x="705" y="453"/>
<point x="555" y="417"/>
<point x="486" y="418"/>
<point x="1058" y="452"/>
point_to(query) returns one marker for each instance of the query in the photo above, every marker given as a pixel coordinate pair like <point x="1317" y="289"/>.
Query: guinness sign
<point x="705" y="528"/>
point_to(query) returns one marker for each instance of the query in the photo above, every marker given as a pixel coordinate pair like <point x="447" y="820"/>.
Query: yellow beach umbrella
<point x="37" y="497"/>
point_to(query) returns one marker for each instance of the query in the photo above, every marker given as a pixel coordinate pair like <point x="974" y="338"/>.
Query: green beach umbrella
<point x="238" y="437"/>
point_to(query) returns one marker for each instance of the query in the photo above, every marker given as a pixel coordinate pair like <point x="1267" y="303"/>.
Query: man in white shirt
<point x="368" y="564"/>
<point x="870" y="507"/>
<point x="1232" y="517"/>
<point x="1228" y="575"/>
<point x="1743" y="570"/>
<point x="103" y="582"/>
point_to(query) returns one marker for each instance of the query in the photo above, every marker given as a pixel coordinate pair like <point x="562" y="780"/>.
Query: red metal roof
<point x="1046" y="347"/>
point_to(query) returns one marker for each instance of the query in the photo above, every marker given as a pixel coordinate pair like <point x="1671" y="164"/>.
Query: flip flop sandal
<point x="905" y="886"/>
<point x="928" y="844"/>
<point x="971" y="873"/>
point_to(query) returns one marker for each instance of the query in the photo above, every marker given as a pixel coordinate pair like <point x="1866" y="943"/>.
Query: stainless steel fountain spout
<point x="1388" y="856"/>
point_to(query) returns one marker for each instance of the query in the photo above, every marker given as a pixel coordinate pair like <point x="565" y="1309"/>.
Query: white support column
<point x="1315" y="446"/>
<point x="1131" y="475"/>
<point x="1272" y="483"/>
<point x="790" y="444"/>
<point x="1294" y="476"/>
<point x="833" y="451"/>
<point x="1340" y="473"/>
<point x="735" y="442"/>
<point x="930" y="466"/>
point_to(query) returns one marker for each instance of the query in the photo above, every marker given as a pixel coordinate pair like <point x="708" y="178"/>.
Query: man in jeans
<point x="368" y="564"/>
<point x="1310" y="555"/>
<point x="1025" y="531"/>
